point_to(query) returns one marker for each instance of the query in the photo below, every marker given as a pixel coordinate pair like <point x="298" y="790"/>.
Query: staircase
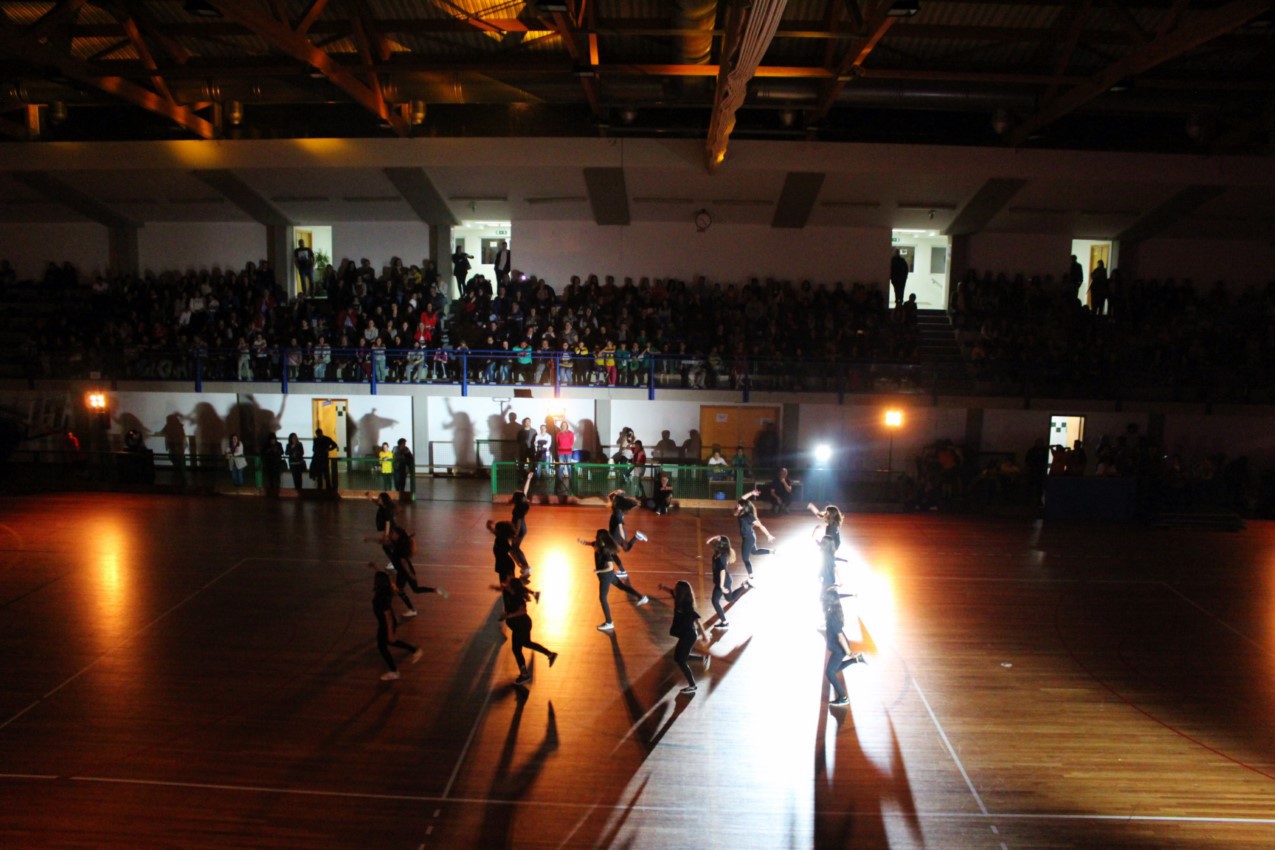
<point x="937" y="342"/>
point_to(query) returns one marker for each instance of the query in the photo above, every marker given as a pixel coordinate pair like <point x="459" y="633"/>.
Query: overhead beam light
<point x="903" y="9"/>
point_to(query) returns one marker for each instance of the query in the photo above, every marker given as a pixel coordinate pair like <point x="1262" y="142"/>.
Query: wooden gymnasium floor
<point x="201" y="673"/>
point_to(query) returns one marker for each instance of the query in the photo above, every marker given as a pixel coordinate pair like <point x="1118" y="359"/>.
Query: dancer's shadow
<point x="843" y="817"/>
<point x="508" y="785"/>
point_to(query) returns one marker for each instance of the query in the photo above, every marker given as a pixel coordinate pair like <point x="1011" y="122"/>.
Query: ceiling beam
<point x="68" y="195"/>
<point x="580" y="59"/>
<point x="422" y="196"/>
<point x="62" y="13"/>
<point x="239" y="193"/>
<point x="279" y="36"/>
<point x="1079" y="15"/>
<point x="310" y="15"/>
<point x="120" y="87"/>
<point x="1192" y="33"/>
<point x="852" y="62"/>
<point x="1181" y="204"/>
<point x="987" y="202"/>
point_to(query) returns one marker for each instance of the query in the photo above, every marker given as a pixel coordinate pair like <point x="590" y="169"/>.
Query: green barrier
<point x="596" y="480"/>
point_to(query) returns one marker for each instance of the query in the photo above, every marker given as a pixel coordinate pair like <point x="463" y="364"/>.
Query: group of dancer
<point x="514" y="575"/>
<point x="393" y="578"/>
<point x="840" y="653"/>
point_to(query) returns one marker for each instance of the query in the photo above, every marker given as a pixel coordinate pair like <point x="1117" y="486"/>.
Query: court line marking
<point x="950" y="749"/>
<point x="473" y="730"/>
<point x="1217" y="619"/>
<point x="136" y="634"/>
<point x="487" y="801"/>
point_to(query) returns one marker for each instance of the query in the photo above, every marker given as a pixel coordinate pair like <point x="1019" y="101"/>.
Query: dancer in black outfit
<point x="621" y="504"/>
<point x="518" y="518"/>
<point x="723" y="557"/>
<point x="382" y="596"/>
<point x="686" y="628"/>
<point x="832" y="518"/>
<point x="515" y="595"/>
<point x="397" y="546"/>
<point x="606" y="565"/>
<point x="746" y="514"/>
<point x="502" y="549"/>
<point x="384" y="513"/>
<point x="839" y="655"/>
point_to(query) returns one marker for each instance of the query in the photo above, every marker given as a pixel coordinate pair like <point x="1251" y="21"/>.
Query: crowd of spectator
<point x="395" y="323"/>
<point x="1035" y="330"/>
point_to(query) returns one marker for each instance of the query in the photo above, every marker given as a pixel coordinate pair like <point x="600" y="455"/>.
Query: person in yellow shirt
<point x="386" y="457"/>
<point x="606" y="359"/>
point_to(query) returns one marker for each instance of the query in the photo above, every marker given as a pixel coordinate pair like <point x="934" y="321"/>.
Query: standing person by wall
<point x="898" y="276"/>
<point x="296" y="459"/>
<point x="385" y="459"/>
<point x="321" y="461"/>
<point x="235" y="460"/>
<point x="404" y="467"/>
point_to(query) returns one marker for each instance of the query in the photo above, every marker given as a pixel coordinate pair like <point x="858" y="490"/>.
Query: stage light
<point x="894" y="418"/>
<point x="823" y="453"/>
<point x="96" y="401"/>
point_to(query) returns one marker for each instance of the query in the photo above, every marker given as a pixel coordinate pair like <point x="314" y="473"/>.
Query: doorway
<point x="926" y="252"/>
<point x="1065" y="431"/>
<point x="1088" y="252"/>
<point x="330" y="414"/>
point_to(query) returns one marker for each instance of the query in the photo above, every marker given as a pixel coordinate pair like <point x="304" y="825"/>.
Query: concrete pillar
<point x="958" y="262"/>
<point x="440" y="251"/>
<point x="123" y="256"/>
<point x="279" y="255"/>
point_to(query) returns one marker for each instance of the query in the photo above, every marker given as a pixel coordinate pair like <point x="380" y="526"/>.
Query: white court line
<point x="950" y="749"/>
<point x="666" y="808"/>
<point x="130" y="637"/>
<point x="473" y="730"/>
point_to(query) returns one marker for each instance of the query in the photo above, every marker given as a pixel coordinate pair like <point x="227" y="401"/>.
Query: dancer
<point x="386" y="636"/>
<point x="503" y="548"/>
<point x="686" y="628"/>
<point x="622" y="503"/>
<point x="832" y="518"/>
<point x="521" y="507"/>
<point x="384" y="514"/>
<point x="839" y="655"/>
<point x="514" y="596"/>
<point x="399" y="546"/>
<point x="606" y="565"/>
<point x="723" y="557"/>
<point x="746" y="514"/>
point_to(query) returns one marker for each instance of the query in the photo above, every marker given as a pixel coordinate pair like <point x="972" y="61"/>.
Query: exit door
<point x="330" y="415"/>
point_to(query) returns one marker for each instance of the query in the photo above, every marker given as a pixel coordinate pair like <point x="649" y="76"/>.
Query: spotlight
<point x="823" y="453"/>
<point x="96" y="401"/>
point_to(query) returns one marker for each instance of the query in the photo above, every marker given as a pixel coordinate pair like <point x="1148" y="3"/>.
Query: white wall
<point x="1206" y="261"/>
<point x="556" y="250"/>
<point x="1031" y="254"/>
<point x="379" y="241"/>
<point x="210" y="418"/>
<point x="199" y="246"/>
<point x="30" y="248"/>
<point x="455" y="424"/>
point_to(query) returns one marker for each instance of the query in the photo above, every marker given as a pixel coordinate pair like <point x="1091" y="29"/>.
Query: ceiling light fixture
<point x="201" y="9"/>
<point x="903" y="8"/>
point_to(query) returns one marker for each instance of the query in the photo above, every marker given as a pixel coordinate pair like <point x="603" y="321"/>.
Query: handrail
<point x="659" y="373"/>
